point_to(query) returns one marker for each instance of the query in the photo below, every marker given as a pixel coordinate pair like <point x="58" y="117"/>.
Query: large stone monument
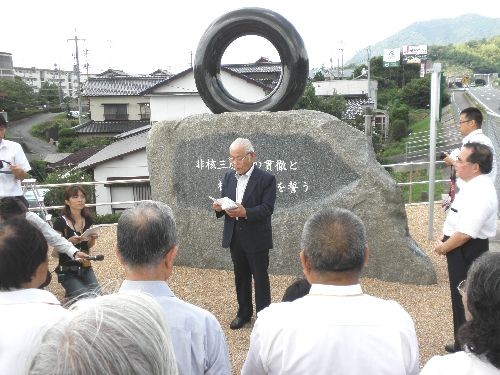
<point x="318" y="162"/>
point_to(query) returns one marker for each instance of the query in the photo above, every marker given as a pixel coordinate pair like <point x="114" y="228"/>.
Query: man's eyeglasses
<point x="462" y="287"/>
<point x="237" y="158"/>
<point x="464" y="121"/>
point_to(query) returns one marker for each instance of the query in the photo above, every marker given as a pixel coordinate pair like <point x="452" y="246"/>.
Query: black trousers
<point x="459" y="261"/>
<point x="246" y="265"/>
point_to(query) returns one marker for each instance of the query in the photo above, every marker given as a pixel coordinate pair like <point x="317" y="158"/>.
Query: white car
<point x="32" y="201"/>
<point x="73" y="114"/>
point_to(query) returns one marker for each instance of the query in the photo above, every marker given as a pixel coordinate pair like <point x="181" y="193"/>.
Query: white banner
<point x="392" y="57"/>
<point x="415" y="50"/>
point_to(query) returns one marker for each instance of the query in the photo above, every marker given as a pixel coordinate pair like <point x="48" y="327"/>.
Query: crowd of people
<point x="326" y="323"/>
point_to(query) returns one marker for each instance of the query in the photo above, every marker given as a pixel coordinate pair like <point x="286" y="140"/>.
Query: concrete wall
<point x="132" y="165"/>
<point x="133" y="108"/>
<point x="179" y="98"/>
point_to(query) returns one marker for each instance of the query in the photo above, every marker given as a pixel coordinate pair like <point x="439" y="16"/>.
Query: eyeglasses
<point x="464" y="121"/>
<point x="237" y="158"/>
<point x="462" y="287"/>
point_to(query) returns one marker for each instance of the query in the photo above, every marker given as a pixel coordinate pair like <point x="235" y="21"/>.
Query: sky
<point x="139" y="37"/>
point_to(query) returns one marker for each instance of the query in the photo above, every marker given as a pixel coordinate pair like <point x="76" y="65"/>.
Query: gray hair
<point x="113" y="334"/>
<point x="146" y="233"/>
<point x="334" y="240"/>
<point x="242" y="142"/>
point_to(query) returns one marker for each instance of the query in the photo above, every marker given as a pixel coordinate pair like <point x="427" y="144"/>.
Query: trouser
<point x="246" y="265"/>
<point x="459" y="261"/>
<point x="83" y="285"/>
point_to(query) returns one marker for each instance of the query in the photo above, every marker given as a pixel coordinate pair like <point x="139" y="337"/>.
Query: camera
<point x="442" y="155"/>
<point x="64" y="271"/>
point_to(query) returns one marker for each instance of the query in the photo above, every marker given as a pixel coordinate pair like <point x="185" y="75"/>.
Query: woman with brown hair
<point x="77" y="278"/>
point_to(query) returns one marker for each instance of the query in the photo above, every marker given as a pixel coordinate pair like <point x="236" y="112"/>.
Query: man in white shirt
<point x="470" y="221"/>
<point x="146" y="248"/>
<point x="25" y="311"/>
<point x="336" y="328"/>
<point x="14" y="166"/>
<point x="471" y="120"/>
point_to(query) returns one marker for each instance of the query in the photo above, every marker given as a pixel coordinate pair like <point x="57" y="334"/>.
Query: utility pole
<point x="77" y="71"/>
<point x="342" y="55"/>
<point x="368" y="53"/>
<point x="434" y="118"/>
<point x="58" y="71"/>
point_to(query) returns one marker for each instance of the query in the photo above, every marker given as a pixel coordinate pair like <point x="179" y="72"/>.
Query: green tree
<point x="417" y="93"/>
<point x="18" y="95"/>
<point x="55" y="197"/>
<point x="398" y="130"/>
<point x="49" y="95"/>
<point x="333" y="105"/>
<point x="319" y="76"/>
<point x="38" y="169"/>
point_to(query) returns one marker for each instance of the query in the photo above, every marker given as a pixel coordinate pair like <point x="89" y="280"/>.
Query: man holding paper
<point x="247" y="228"/>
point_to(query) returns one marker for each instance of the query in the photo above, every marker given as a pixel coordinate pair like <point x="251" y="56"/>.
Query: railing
<point x="90" y="183"/>
<point x="412" y="168"/>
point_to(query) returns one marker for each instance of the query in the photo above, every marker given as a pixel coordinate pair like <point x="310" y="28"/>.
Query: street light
<point x="342" y="56"/>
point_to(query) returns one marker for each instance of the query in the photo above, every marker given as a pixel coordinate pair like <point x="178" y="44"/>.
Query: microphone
<point x="96" y="257"/>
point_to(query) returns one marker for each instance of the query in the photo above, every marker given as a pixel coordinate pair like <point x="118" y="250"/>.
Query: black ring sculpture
<point x="251" y="21"/>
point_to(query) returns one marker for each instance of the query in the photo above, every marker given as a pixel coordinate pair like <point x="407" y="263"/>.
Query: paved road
<point x="488" y="96"/>
<point x="36" y="148"/>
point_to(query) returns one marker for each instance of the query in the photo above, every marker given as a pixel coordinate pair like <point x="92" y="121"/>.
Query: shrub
<point x="107" y="219"/>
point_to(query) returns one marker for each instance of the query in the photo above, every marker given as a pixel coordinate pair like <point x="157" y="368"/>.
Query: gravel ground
<point x="213" y="290"/>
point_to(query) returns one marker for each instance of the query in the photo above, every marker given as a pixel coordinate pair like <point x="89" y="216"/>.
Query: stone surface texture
<point x="318" y="161"/>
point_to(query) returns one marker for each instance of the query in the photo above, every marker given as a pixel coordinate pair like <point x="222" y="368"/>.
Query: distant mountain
<point x="436" y="32"/>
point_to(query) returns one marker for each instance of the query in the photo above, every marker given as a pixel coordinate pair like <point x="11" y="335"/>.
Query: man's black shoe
<point x="452" y="348"/>
<point x="238" y="322"/>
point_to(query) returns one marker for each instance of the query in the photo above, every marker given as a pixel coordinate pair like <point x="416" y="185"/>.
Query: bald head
<point x="334" y="240"/>
<point x="146" y="233"/>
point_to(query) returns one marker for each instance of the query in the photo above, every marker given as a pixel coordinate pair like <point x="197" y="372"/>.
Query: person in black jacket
<point x="77" y="278"/>
<point x="247" y="228"/>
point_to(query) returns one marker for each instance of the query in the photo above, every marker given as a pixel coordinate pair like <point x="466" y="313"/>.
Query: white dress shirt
<point x="479" y="137"/>
<point x="197" y="337"/>
<point x="25" y="315"/>
<point x="14" y="154"/>
<point x="474" y="210"/>
<point x="460" y="363"/>
<point x="53" y="237"/>
<point x="333" y="330"/>
<point x="241" y="184"/>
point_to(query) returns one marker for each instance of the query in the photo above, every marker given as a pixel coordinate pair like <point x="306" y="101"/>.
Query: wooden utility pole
<point x="77" y="71"/>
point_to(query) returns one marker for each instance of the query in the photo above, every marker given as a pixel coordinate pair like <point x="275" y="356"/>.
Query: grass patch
<point x="59" y="122"/>
<point x="419" y="191"/>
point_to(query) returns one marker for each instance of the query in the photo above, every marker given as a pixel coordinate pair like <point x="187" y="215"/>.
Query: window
<point x="115" y="112"/>
<point x="141" y="191"/>
<point x="145" y="111"/>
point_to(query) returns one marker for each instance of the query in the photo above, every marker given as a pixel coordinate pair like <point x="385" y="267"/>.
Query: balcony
<point x="116" y="117"/>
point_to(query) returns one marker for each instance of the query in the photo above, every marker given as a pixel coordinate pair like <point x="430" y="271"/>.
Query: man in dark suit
<point x="247" y="228"/>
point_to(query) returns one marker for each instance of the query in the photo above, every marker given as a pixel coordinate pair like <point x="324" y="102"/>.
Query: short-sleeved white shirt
<point x="477" y="136"/>
<point x="333" y="330"/>
<point x="14" y="154"/>
<point x="25" y="315"/>
<point x="474" y="210"/>
<point x="460" y="363"/>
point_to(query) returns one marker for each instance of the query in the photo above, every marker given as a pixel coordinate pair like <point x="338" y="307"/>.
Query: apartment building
<point x="66" y="80"/>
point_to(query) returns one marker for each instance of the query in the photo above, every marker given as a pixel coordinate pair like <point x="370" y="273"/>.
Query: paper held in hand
<point x="226" y="203"/>
<point x="94" y="229"/>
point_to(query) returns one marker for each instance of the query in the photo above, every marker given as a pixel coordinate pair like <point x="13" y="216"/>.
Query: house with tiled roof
<point x="124" y="159"/>
<point x="263" y="71"/>
<point x="72" y="160"/>
<point x="170" y="98"/>
<point x="177" y="96"/>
